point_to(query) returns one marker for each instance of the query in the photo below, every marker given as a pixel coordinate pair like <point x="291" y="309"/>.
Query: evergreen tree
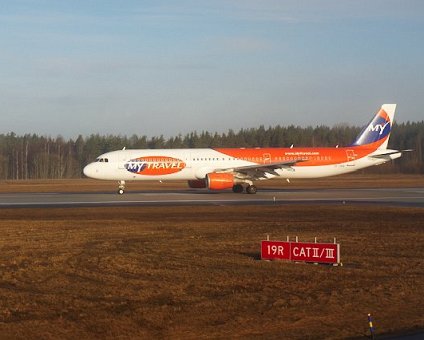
<point x="40" y="157"/>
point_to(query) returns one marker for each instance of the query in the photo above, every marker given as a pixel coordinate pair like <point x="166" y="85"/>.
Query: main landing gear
<point x="121" y="187"/>
<point x="238" y="188"/>
<point x="250" y="189"/>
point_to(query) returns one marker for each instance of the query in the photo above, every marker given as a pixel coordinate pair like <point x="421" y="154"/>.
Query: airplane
<point x="238" y="168"/>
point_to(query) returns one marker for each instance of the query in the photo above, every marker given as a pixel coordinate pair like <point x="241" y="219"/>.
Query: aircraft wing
<point x="260" y="171"/>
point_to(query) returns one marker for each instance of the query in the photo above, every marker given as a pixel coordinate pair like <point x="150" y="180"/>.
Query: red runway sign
<point x="301" y="251"/>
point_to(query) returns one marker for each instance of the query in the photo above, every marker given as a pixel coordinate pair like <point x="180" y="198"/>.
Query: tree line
<point x="40" y="157"/>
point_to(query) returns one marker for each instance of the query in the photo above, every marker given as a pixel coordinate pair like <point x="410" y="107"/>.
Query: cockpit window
<point x="106" y="160"/>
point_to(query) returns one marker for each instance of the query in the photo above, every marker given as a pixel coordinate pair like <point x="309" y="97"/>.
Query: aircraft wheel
<point x="121" y="187"/>
<point x="251" y="189"/>
<point x="237" y="188"/>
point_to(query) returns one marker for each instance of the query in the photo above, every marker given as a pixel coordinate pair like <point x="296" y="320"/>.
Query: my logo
<point x="155" y="165"/>
<point x="377" y="128"/>
<point x="135" y="166"/>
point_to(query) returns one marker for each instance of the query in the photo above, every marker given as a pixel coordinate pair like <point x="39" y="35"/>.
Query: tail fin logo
<point x="376" y="131"/>
<point x="377" y="128"/>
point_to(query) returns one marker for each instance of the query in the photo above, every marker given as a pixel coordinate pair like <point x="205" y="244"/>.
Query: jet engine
<point x="219" y="181"/>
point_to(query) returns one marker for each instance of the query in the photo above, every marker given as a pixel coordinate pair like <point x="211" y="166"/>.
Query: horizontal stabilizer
<point x="387" y="154"/>
<point x="390" y="155"/>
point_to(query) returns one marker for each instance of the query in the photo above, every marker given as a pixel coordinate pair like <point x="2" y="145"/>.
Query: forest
<point x="31" y="156"/>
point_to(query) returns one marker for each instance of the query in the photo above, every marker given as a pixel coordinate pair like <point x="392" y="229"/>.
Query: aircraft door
<point x="122" y="161"/>
<point x="266" y="158"/>
<point x="351" y="157"/>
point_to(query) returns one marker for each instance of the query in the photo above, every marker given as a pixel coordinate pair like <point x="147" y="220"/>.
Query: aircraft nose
<point x="89" y="170"/>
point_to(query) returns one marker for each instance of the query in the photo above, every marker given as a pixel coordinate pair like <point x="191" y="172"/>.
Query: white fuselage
<point x="195" y="164"/>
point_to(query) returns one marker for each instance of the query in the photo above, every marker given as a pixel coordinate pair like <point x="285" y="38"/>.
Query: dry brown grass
<point x="190" y="272"/>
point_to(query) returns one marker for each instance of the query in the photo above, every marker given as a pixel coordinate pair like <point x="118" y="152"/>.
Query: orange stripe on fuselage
<point x="310" y="156"/>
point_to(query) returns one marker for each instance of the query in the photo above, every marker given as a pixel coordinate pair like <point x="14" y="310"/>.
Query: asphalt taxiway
<point x="413" y="197"/>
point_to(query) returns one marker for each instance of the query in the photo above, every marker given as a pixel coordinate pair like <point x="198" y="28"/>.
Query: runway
<point x="413" y="197"/>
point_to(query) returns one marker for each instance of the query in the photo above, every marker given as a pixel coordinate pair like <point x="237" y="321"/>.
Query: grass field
<point x="194" y="272"/>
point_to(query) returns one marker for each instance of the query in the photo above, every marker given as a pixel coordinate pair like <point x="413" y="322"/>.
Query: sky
<point x="169" y="67"/>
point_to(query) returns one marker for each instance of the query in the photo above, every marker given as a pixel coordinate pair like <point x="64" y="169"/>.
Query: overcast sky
<point x="169" y="67"/>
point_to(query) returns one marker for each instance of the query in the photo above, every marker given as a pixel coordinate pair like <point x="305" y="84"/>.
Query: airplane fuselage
<point x="195" y="164"/>
<point x="224" y="168"/>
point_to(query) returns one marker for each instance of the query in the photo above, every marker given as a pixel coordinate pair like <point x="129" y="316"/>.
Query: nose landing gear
<point x="121" y="187"/>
